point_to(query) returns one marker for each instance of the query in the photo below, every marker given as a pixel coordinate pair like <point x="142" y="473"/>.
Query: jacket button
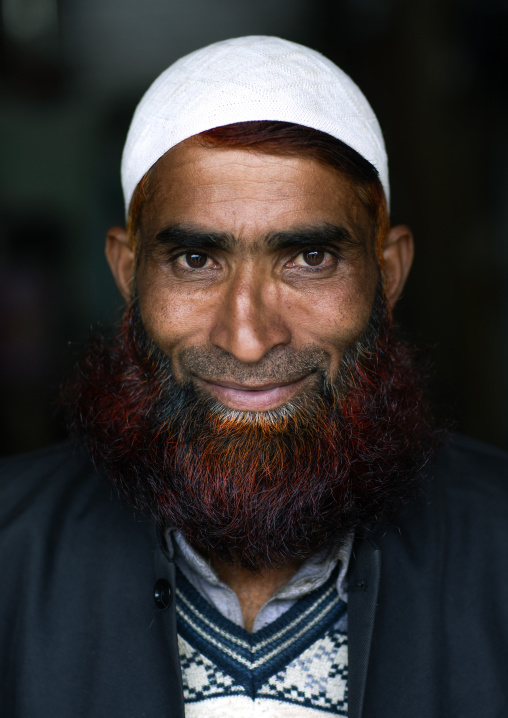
<point x="162" y="593"/>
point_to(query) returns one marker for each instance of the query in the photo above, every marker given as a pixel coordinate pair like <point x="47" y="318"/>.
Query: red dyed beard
<point x="262" y="489"/>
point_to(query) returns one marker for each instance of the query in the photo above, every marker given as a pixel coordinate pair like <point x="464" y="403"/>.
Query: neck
<point x="254" y="589"/>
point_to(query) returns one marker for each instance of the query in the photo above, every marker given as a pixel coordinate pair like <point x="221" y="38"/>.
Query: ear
<point x="398" y="253"/>
<point x="120" y="256"/>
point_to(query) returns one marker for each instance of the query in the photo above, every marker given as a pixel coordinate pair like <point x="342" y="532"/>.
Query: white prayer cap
<point x="243" y="79"/>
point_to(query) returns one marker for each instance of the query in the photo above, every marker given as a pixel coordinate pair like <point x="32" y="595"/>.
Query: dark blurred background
<point x="72" y="71"/>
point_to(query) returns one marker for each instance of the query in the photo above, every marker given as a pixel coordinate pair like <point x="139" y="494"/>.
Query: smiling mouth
<point x="262" y="397"/>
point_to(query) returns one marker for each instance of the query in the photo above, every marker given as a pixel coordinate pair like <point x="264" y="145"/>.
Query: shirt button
<point x="162" y="593"/>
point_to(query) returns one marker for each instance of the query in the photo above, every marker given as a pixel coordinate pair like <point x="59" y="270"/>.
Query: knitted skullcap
<point x="249" y="78"/>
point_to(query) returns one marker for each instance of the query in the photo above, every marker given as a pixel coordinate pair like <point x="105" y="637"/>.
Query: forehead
<point x="248" y="193"/>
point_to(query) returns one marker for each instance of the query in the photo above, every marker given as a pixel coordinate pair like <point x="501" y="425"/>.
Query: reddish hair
<point x="287" y="139"/>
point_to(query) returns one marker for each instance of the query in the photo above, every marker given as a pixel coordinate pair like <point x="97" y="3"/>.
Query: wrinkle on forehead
<point x="249" y="194"/>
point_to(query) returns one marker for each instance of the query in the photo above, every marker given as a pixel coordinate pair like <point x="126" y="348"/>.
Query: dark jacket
<point x="81" y="635"/>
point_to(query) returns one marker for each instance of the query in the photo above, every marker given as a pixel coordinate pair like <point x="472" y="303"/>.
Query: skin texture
<point x="251" y="294"/>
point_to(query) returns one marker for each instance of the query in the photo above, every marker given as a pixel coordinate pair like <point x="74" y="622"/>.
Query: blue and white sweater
<point x="295" y="666"/>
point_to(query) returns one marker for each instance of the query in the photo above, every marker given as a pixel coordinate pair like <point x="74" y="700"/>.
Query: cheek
<point x="172" y="318"/>
<point x="336" y="316"/>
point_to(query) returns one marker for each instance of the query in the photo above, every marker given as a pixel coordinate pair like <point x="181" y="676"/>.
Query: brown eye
<point x="195" y="260"/>
<point x="314" y="257"/>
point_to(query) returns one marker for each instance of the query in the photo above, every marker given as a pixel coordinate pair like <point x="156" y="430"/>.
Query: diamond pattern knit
<point x="295" y="666"/>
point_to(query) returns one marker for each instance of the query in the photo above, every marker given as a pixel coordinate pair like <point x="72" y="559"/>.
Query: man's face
<point x="253" y="255"/>
<point x="256" y="397"/>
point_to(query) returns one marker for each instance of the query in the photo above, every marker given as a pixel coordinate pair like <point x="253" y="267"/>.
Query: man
<point x="299" y="545"/>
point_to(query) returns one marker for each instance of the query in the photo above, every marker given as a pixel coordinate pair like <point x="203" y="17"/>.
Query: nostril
<point x="249" y="339"/>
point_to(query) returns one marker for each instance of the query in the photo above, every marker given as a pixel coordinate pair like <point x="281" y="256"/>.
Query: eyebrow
<point x="307" y="236"/>
<point x="186" y="237"/>
<point x="190" y="238"/>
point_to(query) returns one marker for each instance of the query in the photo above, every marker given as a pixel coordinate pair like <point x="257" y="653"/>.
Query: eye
<point x="193" y="260"/>
<point x="313" y="257"/>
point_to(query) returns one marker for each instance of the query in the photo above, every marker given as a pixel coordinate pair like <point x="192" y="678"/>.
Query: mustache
<point x="280" y="364"/>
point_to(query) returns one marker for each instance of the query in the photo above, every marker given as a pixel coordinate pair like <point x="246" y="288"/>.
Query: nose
<point x="249" y="322"/>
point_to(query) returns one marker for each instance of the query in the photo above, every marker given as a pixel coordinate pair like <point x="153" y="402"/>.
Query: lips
<point x="262" y="397"/>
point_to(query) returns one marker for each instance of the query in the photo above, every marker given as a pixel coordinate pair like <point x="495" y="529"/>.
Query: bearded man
<point x="303" y="542"/>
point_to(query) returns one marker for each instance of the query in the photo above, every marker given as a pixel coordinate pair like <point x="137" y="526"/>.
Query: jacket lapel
<point x="362" y="599"/>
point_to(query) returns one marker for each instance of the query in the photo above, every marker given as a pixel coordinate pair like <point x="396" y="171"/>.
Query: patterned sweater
<point x="295" y="666"/>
